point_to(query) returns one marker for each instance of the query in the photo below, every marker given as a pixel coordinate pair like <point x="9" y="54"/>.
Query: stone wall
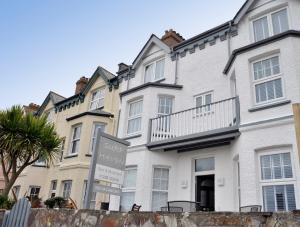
<point x="92" y="218"/>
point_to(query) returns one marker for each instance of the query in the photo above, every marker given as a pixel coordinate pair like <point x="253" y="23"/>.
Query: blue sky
<point x="47" y="45"/>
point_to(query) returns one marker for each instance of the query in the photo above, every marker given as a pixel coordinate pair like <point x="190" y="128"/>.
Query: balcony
<point x="215" y="124"/>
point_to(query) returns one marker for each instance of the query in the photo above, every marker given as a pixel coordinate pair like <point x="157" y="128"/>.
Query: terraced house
<point x="210" y="118"/>
<point x="95" y="105"/>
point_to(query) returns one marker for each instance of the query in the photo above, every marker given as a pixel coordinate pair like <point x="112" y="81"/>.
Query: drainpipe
<point x="229" y="39"/>
<point x="176" y="63"/>
<point x="128" y="78"/>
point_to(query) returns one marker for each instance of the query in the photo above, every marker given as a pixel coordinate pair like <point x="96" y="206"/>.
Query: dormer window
<point x="270" y="24"/>
<point x="154" y="71"/>
<point x="97" y="100"/>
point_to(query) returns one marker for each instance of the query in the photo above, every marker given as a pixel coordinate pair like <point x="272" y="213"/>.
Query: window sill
<point x="71" y="156"/>
<point x="268" y="106"/>
<point x="132" y="137"/>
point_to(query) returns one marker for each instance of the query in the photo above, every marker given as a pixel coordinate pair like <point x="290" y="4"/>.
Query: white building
<point x="210" y="118"/>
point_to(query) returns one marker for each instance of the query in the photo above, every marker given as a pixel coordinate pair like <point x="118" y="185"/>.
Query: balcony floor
<point x="213" y="138"/>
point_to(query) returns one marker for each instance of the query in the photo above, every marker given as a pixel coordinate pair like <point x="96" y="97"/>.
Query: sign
<point x="107" y="165"/>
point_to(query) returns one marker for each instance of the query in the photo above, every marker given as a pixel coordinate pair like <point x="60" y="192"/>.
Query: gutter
<point x="275" y="38"/>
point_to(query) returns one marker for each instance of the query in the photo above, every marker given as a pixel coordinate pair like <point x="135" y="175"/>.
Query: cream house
<point x="95" y="105"/>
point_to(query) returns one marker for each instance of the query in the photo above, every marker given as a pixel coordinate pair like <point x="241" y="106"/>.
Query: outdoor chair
<point x="251" y="208"/>
<point x="172" y="209"/>
<point x="187" y="206"/>
<point x="135" y="207"/>
<point x="18" y="216"/>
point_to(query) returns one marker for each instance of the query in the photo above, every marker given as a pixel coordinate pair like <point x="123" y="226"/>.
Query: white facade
<point x="265" y="128"/>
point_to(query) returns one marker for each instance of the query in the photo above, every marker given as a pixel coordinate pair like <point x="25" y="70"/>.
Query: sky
<point x="48" y="45"/>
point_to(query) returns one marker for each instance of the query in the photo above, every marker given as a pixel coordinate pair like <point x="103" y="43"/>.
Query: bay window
<point x="267" y="80"/>
<point x="135" y="117"/>
<point x="160" y="186"/>
<point x="96" y="126"/>
<point x="75" y="140"/>
<point x="278" y="188"/>
<point x="66" y="189"/>
<point x="128" y="189"/>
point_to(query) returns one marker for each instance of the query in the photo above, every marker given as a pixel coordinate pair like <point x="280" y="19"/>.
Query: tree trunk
<point x="9" y="184"/>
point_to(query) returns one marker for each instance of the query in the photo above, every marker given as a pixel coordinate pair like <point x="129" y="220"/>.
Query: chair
<point x="171" y="209"/>
<point x="251" y="208"/>
<point x="18" y="216"/>
<point x="187" y="206"/>
<point x="136" y="208"/>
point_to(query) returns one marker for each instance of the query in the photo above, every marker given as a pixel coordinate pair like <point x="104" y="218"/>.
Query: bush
<point x="59" y="202"/>
<point x="6" y="203"/>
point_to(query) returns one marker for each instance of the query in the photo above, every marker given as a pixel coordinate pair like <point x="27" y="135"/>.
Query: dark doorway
<point x="205" y="192"/>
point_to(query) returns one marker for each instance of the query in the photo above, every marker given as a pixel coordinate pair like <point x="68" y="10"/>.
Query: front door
<point x="205" y="192"/>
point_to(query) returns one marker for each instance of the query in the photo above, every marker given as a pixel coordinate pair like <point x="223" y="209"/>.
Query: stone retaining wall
<point x="91" y="218"/>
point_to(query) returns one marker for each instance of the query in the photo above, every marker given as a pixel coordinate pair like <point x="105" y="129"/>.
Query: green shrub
<point x="6" y="203"/>
<point x="59" y="202"/>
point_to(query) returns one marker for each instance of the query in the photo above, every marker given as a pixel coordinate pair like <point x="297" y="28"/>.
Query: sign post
<point x="107" y="164"/>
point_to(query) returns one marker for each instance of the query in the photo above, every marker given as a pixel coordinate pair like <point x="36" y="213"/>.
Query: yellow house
<point x="95" y="105"/>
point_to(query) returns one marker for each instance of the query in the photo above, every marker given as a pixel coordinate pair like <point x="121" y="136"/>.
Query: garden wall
<point x="91" y="218"/>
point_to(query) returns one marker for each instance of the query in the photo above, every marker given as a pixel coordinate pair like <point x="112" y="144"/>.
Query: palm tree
<point x="24" y="139"/>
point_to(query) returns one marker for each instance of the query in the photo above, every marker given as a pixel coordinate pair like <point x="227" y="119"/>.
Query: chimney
<point x="31" y="108"/>
<point x="172" y="38"/>
<point x="80" y="84"/>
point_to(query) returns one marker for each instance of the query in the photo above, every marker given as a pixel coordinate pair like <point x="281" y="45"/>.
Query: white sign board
<point x="107" y="164"/>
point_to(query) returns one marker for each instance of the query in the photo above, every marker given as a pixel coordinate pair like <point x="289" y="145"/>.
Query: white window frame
<point x="72" y="140"/>
<point x="93" y="136"/>
<point x="275" y="182"/>
<point x="98" y="100"/>
<point x="17" y="189"/>
<point x="53" y="191"/>
<point x="164" y="123"/>
<point x="129" y="118"/>
<point x="50" y="115"/>
<point x="204" y="110"/>
<point x="62" y="149"/>
<point x="40" y="162"/>
<point x="158" y="190"/>
<point x="34" y="186"/>
<point x="63" y="188"/>
<point x="269" y="21"/>
<point x="267" y="79"/>
<point x="153" y="79"/>
<point x="130" y="189"/>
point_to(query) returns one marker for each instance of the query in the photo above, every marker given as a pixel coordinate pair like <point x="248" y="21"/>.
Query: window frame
<point x="275" y="182"/>
<point x="101" y="89"/>
<point x="62" y="148"/>
<point x="152" y="185"/>
<point x="267" y="79"/>
<point x="72" y="140"/>
<point x="94" y="137"/>
<point x="51" y="188"/>
<point x="63" y="187"/>
<point x="204" y="110"/>
<point x="129" y="118"/>
<point x="154" y="62"/>
<point x="130" y="189"/>
<point x="34" y="186"/>
<point x="16" y="189"/>
<point x="270" y="22"/>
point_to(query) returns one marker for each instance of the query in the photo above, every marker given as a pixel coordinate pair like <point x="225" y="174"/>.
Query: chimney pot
<point x="172" y="38"/>
<point x="80" y="84"/>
